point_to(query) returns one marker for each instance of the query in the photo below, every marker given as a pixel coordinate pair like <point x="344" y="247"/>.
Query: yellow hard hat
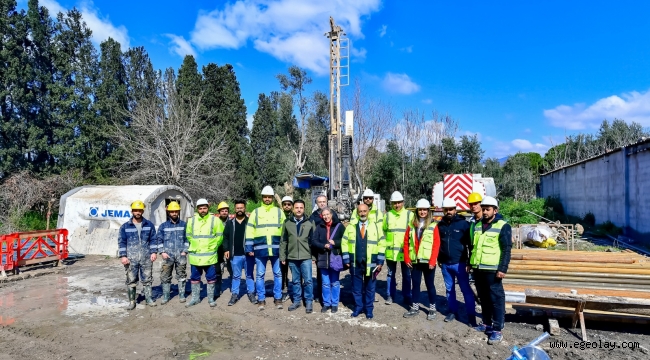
<point x="173" y="206"/>
<point x="137" y="205"/>
<point x="223" y="205"/>
<point x="474" y="197"/>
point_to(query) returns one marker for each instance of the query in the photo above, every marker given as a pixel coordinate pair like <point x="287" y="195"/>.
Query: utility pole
<point x="340" y="144"/>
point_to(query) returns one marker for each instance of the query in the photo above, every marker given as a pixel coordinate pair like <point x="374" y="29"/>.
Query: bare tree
<point x="164" y="145"/>
<point x="373" y="120"/>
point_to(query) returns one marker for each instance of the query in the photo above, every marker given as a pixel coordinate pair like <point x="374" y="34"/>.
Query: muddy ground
<point x="78" y="313"/>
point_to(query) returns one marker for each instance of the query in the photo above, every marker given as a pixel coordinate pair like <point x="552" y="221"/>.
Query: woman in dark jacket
<point x="327" y="241"/>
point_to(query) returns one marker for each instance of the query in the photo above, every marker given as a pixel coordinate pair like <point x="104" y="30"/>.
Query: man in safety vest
<point x="172" y="244"/>
<point x="223" y="209"/>
<point x="205" y="235"/>
<point x="490" y="256"/>
<point x="137" y="249"/>
<point x="396" y="221"/>
<point x="263" y="233"/>
<point x="363" y="247"/>
<point x="474" y="200"/>
<point x="374" y="215"/>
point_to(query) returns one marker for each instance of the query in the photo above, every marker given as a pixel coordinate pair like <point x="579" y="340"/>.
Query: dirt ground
<point x="78" y="313"/>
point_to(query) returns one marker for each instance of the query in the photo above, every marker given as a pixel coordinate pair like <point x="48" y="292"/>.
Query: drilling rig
<point x="340" y="190"/>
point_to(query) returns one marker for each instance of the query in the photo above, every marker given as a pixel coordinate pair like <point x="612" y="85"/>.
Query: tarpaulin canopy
<point x="307" y="180"/>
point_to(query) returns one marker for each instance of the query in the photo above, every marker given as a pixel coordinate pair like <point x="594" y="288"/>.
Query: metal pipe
<point x="645" y="281"/>
<point x="580" y="271"/>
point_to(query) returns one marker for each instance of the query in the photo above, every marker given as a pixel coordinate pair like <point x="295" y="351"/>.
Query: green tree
<point x="189" y="82"/>
<point x="386" y="174"/>
<point x="222" y="98"/>
<point x="470" y="153"/>
<point x="519" y="179"/>
<point x="111" y="104"/>
<point x="492" y="168"/>
<point x="141" y="78"/>
<point x="264" y="143"/>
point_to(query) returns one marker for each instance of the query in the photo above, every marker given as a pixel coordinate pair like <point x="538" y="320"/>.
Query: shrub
<point x="589" y="219"/>
<point x="515" y="213"/>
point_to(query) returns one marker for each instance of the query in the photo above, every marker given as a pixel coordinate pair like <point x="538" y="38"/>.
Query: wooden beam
<point x="581" y="291"/>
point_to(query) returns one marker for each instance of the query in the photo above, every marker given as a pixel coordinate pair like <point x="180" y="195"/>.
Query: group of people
<point x="287" y="238"/>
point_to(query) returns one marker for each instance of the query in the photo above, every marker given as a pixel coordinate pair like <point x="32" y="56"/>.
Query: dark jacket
<point x="296" y="240"/>
<point x="317" y="219"/>
<point x="454" y="241"/>
<point x="232" y="243"/>
<point x="320" y="240"/>
<point x="505" y="243"/>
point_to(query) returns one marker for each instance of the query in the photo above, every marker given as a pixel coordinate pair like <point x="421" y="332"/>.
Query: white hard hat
<point x="489" y="200"/>
<point x="202" y="202"/>
<point x="268" y="191"/>
<point x="368" y="193"/>
<point x="287" y="198"/>
<point x="448" y="203"/>
<point x="423" y="204"/>
<point x="396" y="196"/>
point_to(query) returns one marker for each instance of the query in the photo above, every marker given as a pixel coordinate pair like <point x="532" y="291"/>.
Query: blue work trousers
<point x="238" y="264"/>
<point x="331" y="287"/>
<point x="363" y="290"/>
<point x="301" y="270"/>
<point x="391" y="281"/>
<point x="211" y="273"/>
<point x="260" y="262"/>
<point x="458" y="272"/>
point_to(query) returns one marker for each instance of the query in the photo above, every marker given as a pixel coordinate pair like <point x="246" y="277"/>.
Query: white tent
<point x="93" y="214"/>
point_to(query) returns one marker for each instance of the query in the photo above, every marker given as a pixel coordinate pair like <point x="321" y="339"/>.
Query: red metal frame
<point x="6" y="255"/>
<point x="28" y="248"/>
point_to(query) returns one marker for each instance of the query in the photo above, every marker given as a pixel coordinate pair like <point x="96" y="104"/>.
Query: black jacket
<point x="505" y="243"/>
<point x="320" y="240"/>
<point x="454" y="241"/>
<point x="230" y="243"/>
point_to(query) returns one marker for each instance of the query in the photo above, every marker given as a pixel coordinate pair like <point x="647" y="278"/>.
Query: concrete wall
<point x="614" y="187"/>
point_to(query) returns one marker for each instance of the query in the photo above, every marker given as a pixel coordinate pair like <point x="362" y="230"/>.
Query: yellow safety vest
<point x="395" y="224"/>
<point x="486" y="251"/>
<point x="375" y="246"/>
<point x="426" y="244"/>
<point x="374" y="216"/>
<point x="264" y="231"/>
<point x="205" y="235"/>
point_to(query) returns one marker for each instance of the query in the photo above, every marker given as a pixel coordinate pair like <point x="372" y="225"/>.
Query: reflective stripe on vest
<point x="395" y="251"/>
<point x="203" y="255"/>
<point x="486" y="252"/>
<point x="370" y="252"/>
<point x="426" y="244"/>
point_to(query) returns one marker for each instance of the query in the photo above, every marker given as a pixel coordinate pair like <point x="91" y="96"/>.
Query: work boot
<point x="132" y="295"/>
<point x="211" y="295"/>
<point x="431" y="315"/>
<point x="471" y="319"/>
<point x="389" y="300"/>
<point x="277" y="303"/>
<point x="233" y="299"/>
<point x="252" y="298"/>
<point x="309" y="307"/>
<point x="261" y="305"/>
<point x="450" y="317"/>
<point x="325" y="309"/>
<point x="218" y="289"/>
<point x="181" y="291"/>
<point x="147" y="296"/>
<point x="166" y="289"/>
<point x="335" y="309"/>
<point x="412" y="312"/>
<point x="294" y="306"/>
<point x="196" y="295"/>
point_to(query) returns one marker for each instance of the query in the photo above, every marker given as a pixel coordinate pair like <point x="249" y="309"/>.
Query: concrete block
<point x="553" y="327"/>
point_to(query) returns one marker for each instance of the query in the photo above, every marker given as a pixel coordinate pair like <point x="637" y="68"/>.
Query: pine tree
<point x="188" y="83"/>
<point x="222" y="98"/>
<point x="264" y="143"/>
<point x="110" y="104"/>
<point x="141" y="78"/>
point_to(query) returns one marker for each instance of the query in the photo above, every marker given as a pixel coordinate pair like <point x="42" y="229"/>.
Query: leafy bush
<point x="608" y="228"/>
<point x="515" y="213"/>
<point x="589" y="219"/>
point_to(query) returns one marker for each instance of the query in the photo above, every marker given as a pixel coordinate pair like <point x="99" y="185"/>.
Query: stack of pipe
<point x="579" y="270"/>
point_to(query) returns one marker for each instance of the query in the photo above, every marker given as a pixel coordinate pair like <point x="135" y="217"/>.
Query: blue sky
<point x="520" y="74"/>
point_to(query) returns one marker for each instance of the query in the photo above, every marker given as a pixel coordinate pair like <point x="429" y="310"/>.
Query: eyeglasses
<point x="368" y="198"/>
<point x="287" y="204"/>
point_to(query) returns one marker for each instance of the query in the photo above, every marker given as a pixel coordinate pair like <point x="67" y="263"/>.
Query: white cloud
<point x="399" y="84"/>
<point x="289" y="30"/>
<point x="382" y="30"/>
<point x="408" y="49"/>
<point x="180" y="46"/>
<point x="101" y="27"/>
<point x="632" y="106"/>
<point x="526" y="145"/>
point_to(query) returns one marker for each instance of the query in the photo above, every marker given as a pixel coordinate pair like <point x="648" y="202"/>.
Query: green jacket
<point x="296" y="245"/>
